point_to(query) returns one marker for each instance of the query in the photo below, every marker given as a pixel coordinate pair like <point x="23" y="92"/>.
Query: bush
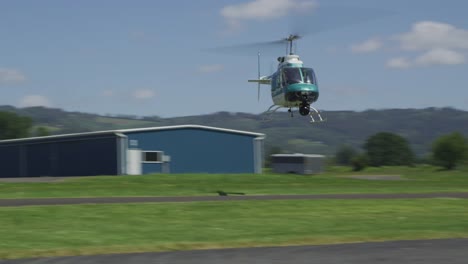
<point x="359" y="162"/>
<point x="450" y="150"/>
<point x="344" y="155"/>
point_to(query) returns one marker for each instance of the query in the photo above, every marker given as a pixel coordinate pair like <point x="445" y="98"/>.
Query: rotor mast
<point x="290" y="40"/>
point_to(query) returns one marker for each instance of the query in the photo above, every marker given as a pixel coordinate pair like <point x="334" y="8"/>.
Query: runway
<point x="112" y="200"/>
<point x="446" y="251"/>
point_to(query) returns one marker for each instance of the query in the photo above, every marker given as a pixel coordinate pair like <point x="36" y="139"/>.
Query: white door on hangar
<point x="134" y="162"/>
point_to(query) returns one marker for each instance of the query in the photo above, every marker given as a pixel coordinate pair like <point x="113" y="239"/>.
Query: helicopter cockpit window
<point x="308" y="75"/>
<point x="291" y="75"/>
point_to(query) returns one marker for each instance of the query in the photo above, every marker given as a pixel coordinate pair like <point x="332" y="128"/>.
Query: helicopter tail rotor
<point x="260" y="79"/>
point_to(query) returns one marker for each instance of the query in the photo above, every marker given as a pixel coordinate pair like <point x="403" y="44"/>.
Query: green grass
<point x="94" y="229"/>
<point x="337" y="180"/>
<point x="51" y="129"/>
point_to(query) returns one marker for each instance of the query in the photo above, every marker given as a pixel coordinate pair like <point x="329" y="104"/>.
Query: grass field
<point x="92" y="229"/>
<point x="336" y="180"/>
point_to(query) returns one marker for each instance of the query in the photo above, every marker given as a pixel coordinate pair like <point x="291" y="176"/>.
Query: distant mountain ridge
<point x="419" y="126"/>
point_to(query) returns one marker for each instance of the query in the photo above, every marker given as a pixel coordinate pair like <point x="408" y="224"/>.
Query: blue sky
<point x="147" y="57"/>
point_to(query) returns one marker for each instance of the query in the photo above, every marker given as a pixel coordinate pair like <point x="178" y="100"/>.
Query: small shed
<point x="298" y="163"/>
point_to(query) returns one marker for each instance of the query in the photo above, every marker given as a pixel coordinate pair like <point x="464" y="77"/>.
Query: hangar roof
<point x="133" y="130"/>
<point x="121" y="132"/>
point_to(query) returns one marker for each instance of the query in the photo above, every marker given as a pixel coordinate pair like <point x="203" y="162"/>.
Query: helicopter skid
<point x="316" y="112"/>
<point x="268" y="114"/>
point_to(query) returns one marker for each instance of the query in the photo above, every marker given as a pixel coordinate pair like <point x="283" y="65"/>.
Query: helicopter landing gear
<point x="318" y="114"/>
<point x="304" y="109"/>
<point x="269" y="113"/>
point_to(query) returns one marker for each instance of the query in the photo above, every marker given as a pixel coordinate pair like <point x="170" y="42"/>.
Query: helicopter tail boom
<point x="262" y="80"/>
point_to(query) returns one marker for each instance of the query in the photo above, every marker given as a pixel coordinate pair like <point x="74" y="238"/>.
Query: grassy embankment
<point x="336" y="180"/>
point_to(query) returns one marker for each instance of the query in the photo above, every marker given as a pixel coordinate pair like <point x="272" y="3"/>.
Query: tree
<point x="389" y="149"/>
<point x="344" y="155"/>
<point x="359" y="162"/>
<point x="449" y="150"/>
<point x="14" y="126"/>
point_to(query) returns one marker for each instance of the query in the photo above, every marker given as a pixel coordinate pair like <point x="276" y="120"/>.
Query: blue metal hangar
<point x="171" y="149"/>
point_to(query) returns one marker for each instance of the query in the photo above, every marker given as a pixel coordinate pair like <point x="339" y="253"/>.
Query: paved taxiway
<point x="110" y="200"/>
<point x="449" y="251"/>
<point x="442" y="251"/>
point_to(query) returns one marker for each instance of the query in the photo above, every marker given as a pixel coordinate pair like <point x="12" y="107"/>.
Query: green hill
<point x="419" y="126"/>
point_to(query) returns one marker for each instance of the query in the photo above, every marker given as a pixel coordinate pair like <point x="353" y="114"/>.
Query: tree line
<point x="13" y="126"/>
<point x="381" y="149"/>
<point x="389" y="149"/>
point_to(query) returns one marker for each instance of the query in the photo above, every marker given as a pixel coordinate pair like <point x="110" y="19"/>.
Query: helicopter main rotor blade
<point x="328" y="18"/>
<point x="323" y="19"/>
<point x="250" y="47"/>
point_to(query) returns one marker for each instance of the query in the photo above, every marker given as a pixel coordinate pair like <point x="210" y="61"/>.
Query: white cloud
<point x="428" y="35"/>
<point x="369" y="45"/>
<point x="11" y="75"/>
<point x="437" y="43"/>
<point x="399" y="63"/>
<point x="210" y="68"/>
<point x="441" y="57"/>
<point x="34" y="100"/>
<point x="432" y="57"/>
<point x="143" y="94"/>
<point x="263" y="10"/>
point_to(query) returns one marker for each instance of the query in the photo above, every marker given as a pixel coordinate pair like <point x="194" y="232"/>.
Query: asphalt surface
<point x="448" y="251"/>
<point x="111" y="200"/>
<point x="443" y="251"/>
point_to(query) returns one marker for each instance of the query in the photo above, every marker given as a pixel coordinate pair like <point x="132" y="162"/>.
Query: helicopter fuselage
<point x="294" y="94"/>
<point x="293" y="85"/>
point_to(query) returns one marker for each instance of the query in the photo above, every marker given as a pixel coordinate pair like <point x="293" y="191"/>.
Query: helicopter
<point x="292" y="85"/>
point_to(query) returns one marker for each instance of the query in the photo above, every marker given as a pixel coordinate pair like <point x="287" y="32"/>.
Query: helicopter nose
<point x="308" y="96"/>
<point x="302" y="92"/>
